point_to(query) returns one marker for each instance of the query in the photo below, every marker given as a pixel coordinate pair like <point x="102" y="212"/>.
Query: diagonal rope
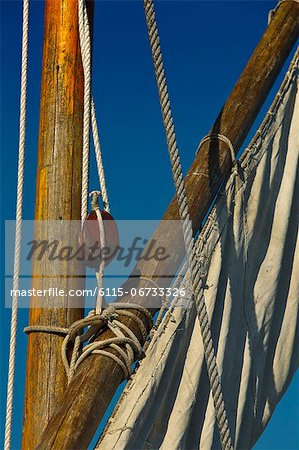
<point x="99" y="159"/>
<point x="196" y="278"/>
<point x="18" y="232"/>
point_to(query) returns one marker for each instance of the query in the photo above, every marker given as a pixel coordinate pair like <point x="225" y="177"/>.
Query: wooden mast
<point x="97" y="378"/>
<point x="58" y="197"/>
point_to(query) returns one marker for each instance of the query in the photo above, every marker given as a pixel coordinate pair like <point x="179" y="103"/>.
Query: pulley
<point x="99" y="236"/>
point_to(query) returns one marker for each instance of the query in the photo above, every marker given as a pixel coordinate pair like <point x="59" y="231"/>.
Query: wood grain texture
<point x="58" y="197"/>
<point x="89" y="394"/>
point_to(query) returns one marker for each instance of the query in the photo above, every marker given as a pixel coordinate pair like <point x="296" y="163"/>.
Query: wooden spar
<point x="91" y="390"/>
<point x="58" y="197"/>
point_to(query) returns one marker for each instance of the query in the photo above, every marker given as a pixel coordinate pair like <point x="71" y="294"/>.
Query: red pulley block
<point x="90" y="239"/>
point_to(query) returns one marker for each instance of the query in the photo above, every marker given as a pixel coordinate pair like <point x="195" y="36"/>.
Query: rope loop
<point x="227" y="141"/>
<point x="94" y="323"/>
<point x="123" y="337"/>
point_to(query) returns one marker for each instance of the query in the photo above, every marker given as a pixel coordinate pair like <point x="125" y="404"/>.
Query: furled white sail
<point x="251" y="244"/>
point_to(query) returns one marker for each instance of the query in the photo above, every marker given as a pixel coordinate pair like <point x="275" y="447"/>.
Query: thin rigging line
<point x="18" y="232"/>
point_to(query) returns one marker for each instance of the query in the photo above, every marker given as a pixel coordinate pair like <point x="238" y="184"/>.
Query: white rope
<point x="109" y="316"/>
<point x="102" y="239"/>
<point x="99" y="159"/>
<point x="85" y="45"/>
<point x="187" y="227"/>
<point x="89" y="114"/>
<point x="162" y="310"/>
<point x="95" y="323"/>
<point x="100" y="272"/>
<point x="221" y="137"/>
<point x="18" y="232"/>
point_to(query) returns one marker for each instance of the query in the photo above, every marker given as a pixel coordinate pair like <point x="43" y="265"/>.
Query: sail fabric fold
<point x="250" y="241"/>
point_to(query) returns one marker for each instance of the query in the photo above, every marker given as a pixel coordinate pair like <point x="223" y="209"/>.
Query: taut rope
<point x="85" y="45"/>
<point x="196" y="279"/>
<point x="18" y="234"/>
<point x="89" y="115"/>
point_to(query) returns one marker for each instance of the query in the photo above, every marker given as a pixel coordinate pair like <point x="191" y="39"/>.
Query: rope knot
<point x="95" y="195"/>
<point x="109" y="314"/>
<point x="125" y="343"/>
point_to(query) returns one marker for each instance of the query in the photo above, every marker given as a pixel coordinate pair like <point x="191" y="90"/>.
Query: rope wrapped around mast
<point x="124" y="337"/>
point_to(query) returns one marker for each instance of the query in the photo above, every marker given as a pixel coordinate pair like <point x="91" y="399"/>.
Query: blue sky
<point x="205" y="46"/>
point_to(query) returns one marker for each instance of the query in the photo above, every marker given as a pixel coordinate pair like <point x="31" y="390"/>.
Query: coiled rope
<point x="18" y="232"/>
<point x="124" y="337"/>
<point x="196" y="279"/>
<point x="100" y="271"/>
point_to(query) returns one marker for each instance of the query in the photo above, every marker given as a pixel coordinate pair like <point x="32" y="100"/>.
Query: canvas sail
<point x="250" y="241"/>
